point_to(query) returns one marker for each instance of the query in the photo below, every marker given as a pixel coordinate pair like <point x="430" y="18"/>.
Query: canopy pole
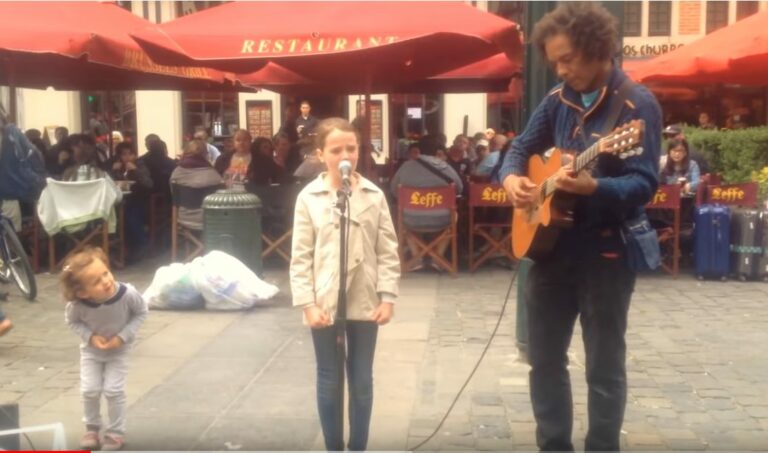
<point x="368" y="141"/>
<point x="12" y="101"/>
<point x="367" y="166"/>
<point x="110" y="124"/>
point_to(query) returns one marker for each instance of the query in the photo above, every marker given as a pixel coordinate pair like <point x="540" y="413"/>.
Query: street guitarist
<point x="587" y="275"/>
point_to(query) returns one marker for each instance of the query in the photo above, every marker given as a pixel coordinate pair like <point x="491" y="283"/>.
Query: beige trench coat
<point x="374" y="264"/>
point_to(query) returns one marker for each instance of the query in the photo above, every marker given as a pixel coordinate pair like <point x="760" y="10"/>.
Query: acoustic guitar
<point x="535" y="228"/>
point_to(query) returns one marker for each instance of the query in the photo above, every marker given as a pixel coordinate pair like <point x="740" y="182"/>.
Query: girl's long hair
<point x="669" y="167"/>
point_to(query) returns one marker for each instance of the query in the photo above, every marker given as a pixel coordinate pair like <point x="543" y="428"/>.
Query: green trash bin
<point x="521" y="322"/>
<point x="232" y="224"/>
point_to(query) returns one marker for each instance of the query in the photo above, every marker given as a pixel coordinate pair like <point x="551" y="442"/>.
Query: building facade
<point x="652" y="28"/>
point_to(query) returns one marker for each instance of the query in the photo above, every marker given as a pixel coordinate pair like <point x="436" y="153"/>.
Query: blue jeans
<point x="361" y="343"/>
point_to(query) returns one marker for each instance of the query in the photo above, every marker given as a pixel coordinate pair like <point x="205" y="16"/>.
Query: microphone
<point x="345" y="167"/>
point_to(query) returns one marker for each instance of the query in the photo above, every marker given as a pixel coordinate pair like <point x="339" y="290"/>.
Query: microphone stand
<point x="342" y="203"/>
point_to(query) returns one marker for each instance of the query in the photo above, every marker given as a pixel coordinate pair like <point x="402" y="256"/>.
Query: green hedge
<point x="734" y="154"/>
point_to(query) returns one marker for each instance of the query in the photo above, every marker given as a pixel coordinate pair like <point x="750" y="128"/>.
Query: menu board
<point x="259" y="118"/>
<point x="377" y="123"/>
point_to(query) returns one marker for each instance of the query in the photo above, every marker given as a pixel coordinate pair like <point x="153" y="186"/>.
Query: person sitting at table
<point x="264" y="169"/>
<point x="158" y="163"/>
<point x="680" y="168"/>
<point x="426" y="170"/>
<point x="86" y="168"/>
<point x="287" y="156"/>
<point x="86" y="165"/>
<point x="132" y="176"/>
<point x="127" y="167"/>
<point x="234" y="167"/>
<point x="196" y="172"/>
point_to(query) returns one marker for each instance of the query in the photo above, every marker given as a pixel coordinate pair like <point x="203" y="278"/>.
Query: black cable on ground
<point x="477" y="365"/>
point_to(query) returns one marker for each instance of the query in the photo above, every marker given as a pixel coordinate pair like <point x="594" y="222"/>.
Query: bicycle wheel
<point x="16" y="263"/>
<point x="5" y="271"/>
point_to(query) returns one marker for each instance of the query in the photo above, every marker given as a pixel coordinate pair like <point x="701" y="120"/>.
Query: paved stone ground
<point x="216" y="381"/>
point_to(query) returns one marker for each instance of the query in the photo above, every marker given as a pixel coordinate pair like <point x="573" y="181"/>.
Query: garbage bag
<point x="172" y="289"/>
<point x="228" y="284"/>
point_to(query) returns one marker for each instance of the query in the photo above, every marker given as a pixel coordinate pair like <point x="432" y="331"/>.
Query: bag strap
<point x="617" y="102"/>
<point x="614" y="110"/>
<point x="434" y="171"/>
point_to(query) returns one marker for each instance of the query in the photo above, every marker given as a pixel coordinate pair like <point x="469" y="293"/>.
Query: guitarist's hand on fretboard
<point x="521" y="191"/>
<point x="580" y="184"/>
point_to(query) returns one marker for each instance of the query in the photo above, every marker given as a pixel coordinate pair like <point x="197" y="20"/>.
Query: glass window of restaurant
<point x="103" y="111"/>
<point x="216" y="112"/>
<point x="412" y="116"/>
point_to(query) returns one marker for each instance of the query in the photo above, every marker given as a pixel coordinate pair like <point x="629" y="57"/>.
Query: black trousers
<point x="594" y="285"/>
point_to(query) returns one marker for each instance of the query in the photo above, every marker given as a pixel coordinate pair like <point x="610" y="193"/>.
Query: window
<point x="104" y="111"/>
<point x="744" y="9"/>
<point x="660" y="18"/>
<point x="216" y="112"/>
<point x="188" y="7"/>
<point x="633" y="18"/>
<point x="717" y="15"/>
<point x="415" y="115"/>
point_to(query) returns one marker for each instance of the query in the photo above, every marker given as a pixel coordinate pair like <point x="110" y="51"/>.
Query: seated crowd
<point x="251" y="163"/>
<point x="139" y="182"/>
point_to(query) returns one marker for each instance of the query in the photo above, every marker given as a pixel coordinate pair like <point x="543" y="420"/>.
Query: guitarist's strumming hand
<point x="520" y="190"/>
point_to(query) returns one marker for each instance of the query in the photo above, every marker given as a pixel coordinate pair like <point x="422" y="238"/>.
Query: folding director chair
<point x="495" y="209"/>
<point x="425" y="200"/>
<point x="80" y="211"/>
<point x="668" y="198"/>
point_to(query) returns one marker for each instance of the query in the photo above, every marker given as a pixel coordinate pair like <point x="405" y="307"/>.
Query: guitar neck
<point x="547" y="187"/>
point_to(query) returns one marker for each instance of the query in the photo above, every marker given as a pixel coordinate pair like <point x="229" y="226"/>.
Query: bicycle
<point x="14" y="263"/>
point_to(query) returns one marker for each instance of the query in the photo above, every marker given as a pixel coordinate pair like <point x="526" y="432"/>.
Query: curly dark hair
<point x="592" y="29"/>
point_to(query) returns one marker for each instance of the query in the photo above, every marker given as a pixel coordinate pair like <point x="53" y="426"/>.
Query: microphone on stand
<point x="345" y="168"/>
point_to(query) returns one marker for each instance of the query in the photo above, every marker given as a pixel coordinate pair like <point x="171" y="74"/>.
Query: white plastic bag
<point x="228" y="284"/>
<point x="172" y="289"/>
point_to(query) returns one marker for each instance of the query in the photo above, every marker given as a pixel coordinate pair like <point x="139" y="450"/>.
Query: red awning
<point x="737" y="54"/>
<point x="489" y="75"/>
<point x="366" y="46"/>
<point x="85" y="45"/>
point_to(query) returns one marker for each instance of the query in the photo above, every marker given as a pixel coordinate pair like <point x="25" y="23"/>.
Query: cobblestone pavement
<point x="698" y="373"/>
<point x="697" y="368"/>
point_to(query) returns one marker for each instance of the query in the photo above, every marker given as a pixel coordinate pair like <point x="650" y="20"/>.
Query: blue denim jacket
<point x="624" y="186"/>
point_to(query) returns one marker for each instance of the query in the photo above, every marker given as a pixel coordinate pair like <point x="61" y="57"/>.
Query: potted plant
<point x="761" y="178"/>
